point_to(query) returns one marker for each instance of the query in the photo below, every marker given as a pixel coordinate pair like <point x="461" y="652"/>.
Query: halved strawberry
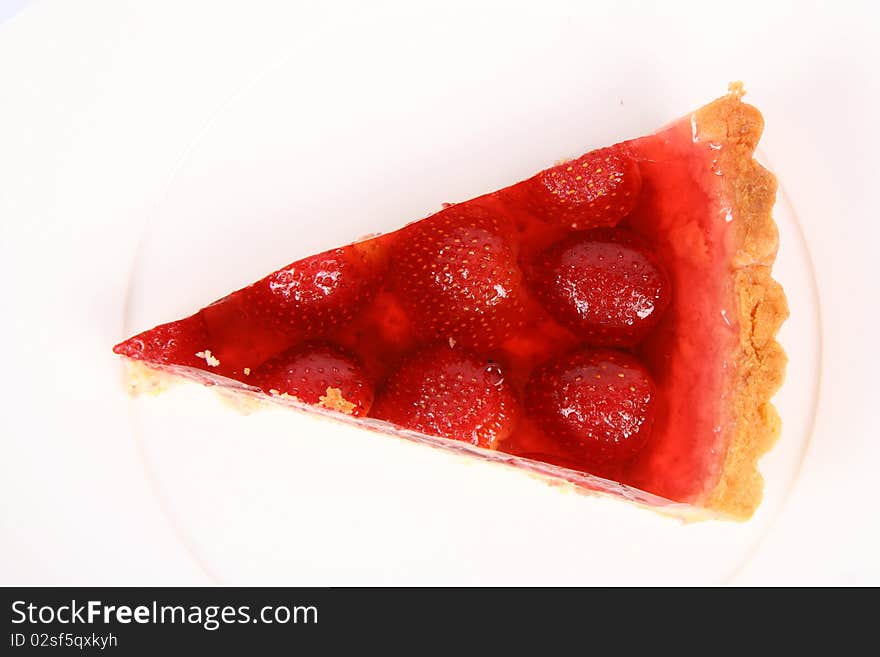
<point x="316" y="293"/>
<point x="306" y="300"/>
<point x="456" y="274"/>
<point x="604" y="285"/>
<point x="449" y="392"/>
<point x="318" y="374"/>
<point x="597" y="403"/>
<point x="597" y="189"/>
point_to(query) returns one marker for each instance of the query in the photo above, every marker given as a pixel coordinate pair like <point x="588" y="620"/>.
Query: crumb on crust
<point x="736" y="89"/>
<point x="283" y="395"/>
<point x="334" y="401"/>
<point x="210" y="359"/>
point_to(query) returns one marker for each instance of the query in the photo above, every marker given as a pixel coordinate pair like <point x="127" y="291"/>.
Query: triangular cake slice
<point x="609" y="322"/>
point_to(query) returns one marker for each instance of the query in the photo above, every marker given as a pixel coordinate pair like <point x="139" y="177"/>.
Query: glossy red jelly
<point x="677" y="213"/>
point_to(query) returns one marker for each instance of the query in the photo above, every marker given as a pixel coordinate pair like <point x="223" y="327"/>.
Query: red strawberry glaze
<point x="381" y="313"/>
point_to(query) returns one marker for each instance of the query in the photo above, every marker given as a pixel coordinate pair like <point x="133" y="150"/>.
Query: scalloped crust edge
<point x="762" y="308"/>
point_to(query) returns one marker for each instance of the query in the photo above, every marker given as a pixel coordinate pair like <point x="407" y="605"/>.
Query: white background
<point x="101" y="103"/>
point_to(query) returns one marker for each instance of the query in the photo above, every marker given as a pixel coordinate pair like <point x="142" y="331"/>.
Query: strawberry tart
<point x="608" y="323"/>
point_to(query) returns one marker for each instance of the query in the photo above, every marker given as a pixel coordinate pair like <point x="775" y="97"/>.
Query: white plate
<point x="286" y="170"/>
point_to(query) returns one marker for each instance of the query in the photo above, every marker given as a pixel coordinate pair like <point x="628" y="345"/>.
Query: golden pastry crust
<point x="760" y="364"/>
